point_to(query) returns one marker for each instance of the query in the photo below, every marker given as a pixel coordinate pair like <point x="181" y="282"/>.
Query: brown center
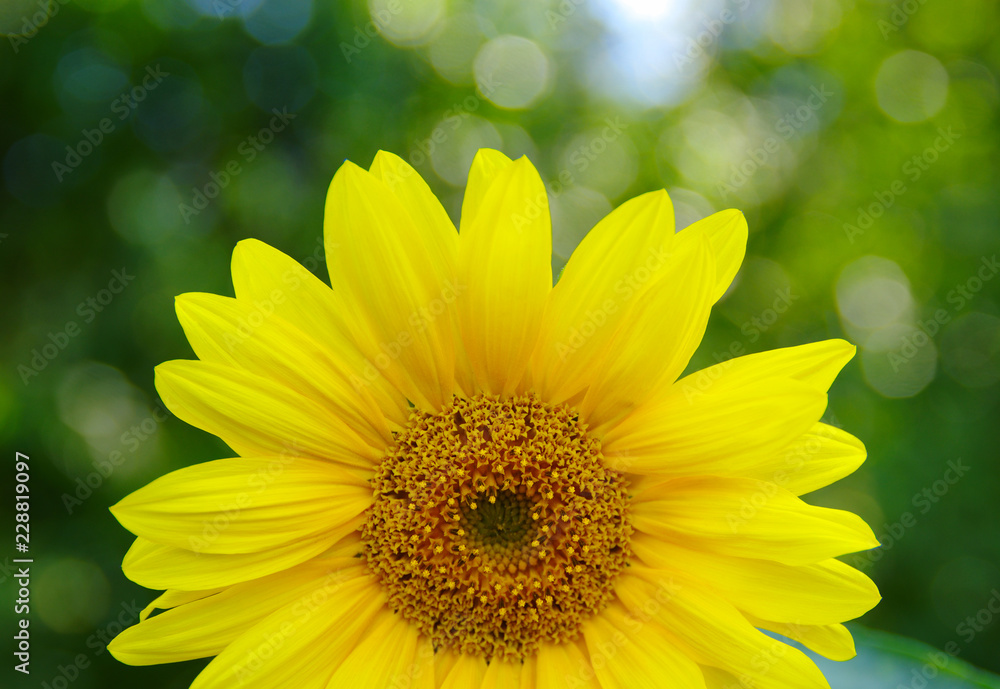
<point x="496" y="526"/>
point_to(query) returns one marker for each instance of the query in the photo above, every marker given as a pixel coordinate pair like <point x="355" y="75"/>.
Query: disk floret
<point x="495" y="525"/>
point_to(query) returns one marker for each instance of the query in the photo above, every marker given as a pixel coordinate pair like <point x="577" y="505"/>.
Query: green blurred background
<point x="140" y="143"/>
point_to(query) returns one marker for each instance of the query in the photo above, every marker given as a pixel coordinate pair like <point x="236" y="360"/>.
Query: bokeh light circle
<point x="451" y="156"/>
<point x="70" y="595"/>
<point x="899" y="361"/>
<point x="512" y="72"/>
<point x="911" y="86"/>
<point x="406" y="22"/>
<point x="873" y="292"/>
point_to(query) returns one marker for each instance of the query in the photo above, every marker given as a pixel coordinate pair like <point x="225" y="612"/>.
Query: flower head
<point x="452" y="474"/>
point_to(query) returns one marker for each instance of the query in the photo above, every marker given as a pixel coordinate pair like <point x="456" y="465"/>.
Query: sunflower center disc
<point x="496" y="526"/>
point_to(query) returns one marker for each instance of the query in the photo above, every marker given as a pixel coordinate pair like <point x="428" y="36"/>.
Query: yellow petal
<point x="421" y="671"/>
<point x="818" y="458"/>
<point x="617" y="260"/>
<point x="626" y="651"/>
<point x="466" y="673"/>
<point x="726" y="232"/>
<point x="748" y="518"/>
<point x="719" y="679"/>
<point x="716" y="633"/>
<point x="301" y="643"/>
<point x="504" y="268"/>
<point x="173" y="598"/>
<point x="245" y="505"/>
<point x="656" y="337"/>
<point x="268" y="279"/>
<point x="383" y="658"/>
<point x="236" y="333"/>
<point x="257" y="416"/>
<point x="444" y="661"/>
<point x="502" y="675"/>
<point x="822" y="593"/>
<point x="487" y="164"/>
<point x="565" y="665"/>
<point x="816" y="364"/>
<point x="393" y="273"/>
<point x="831" y="641"/>
<point x="203" y="628"/>
<point x="417" y="198"/>
<point x="413" y="192"/>
<point x="158" y="566"/>
<point x="727" y="431"/>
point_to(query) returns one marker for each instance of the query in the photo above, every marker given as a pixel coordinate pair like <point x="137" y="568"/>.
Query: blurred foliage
<point x="860" y="139"/>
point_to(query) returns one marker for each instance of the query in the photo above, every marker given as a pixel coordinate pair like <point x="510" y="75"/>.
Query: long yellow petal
<point x="236" y="333"/>
<point x="617" y="260"/>
<point x="727" y="431"/>
<point x="832" y="641"/>
<point x="173" y="598"/>
<point x="718" y="679"/>
<point x="245" y="505"/>
<point x="818" y="458"/>
<point x="815" y="364"/>
<point x="268" y="279"/>
<point x="504" y="267"/>
<point x="257" y="416"/>
<point x="203" y="628"/>
<point x="383" y="658"/>
<point x="301" y="643"/>
<point x="393" y="273"/>
<point x="628" y="651"/>
<point x="748" y="518"/>
<point x="502" y="675"/>
<point x="823" y="593"/>
<point x="726" y="232"/>
<point x="158" y="566"/>
<point x="716" y="633"/>
<point x="487" y="164"/>
<point x="656" y="337"/>
<point x="565" y="665"/>
<point x="413" y="192"/>
<point x="467" y="673"/>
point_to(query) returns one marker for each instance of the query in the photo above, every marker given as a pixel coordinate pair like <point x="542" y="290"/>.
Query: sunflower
<point x="452" y="474"/>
